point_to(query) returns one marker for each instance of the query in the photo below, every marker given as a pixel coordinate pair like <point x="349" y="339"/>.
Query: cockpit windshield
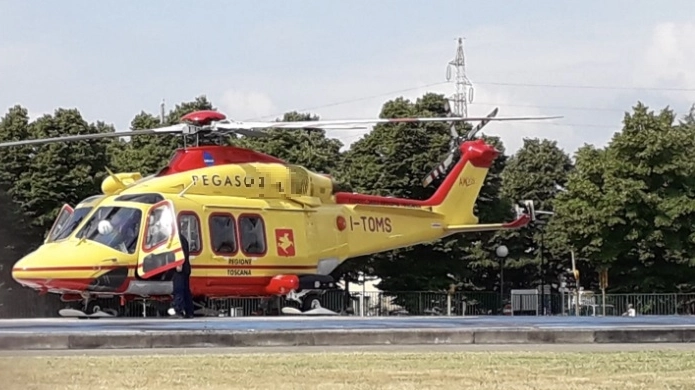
<point x="115" y="227"/>
<point x="64" y="229"/>
<point x="68" y="219"/>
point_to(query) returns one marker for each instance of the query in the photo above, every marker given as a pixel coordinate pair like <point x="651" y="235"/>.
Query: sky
<point x="589" y="61"/>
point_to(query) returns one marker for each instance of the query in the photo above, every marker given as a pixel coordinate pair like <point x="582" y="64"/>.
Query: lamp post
<point x="502" y="252"/>
<point x="544" y="276"/>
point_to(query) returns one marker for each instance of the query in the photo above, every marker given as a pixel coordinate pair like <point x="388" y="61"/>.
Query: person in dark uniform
<point x="183" y="300"/>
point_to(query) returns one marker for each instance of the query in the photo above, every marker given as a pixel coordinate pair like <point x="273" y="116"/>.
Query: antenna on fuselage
<point x="186" y="188"/>
<point x="115" y="178"/>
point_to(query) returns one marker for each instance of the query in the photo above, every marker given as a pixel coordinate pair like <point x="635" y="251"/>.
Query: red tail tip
<point x="479" y="153"/>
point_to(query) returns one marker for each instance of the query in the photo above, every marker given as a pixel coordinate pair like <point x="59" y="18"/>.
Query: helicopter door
<point x="63" y="216"/>
<point x="161" y="248"/>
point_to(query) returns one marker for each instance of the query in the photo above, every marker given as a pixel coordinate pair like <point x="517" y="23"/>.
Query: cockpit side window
<point x="189" y="226"/>
<point x="63" y="216"/>
<point x="252" y="232"/>
<point x="160" y="226"/>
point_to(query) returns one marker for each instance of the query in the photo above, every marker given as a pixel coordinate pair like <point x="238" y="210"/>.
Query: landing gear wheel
<point x="311" y="301"/>
<point x="92" y="307"/>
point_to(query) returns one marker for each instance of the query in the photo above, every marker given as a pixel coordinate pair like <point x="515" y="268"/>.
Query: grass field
<point x="370" y="370"/>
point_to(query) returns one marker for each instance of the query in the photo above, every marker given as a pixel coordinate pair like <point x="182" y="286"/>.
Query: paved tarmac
<point x="246" y="324"/>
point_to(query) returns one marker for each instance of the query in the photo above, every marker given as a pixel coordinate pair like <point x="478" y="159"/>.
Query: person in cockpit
<point x="125" y="233"/>
<point x="129" y="233"/>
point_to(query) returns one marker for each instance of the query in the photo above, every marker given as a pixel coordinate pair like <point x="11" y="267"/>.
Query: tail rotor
<point x="456" y="140"/>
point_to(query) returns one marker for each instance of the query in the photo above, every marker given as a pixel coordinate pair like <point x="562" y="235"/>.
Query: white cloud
<point x="246" y="104"/>
<point x="668" y="60"/>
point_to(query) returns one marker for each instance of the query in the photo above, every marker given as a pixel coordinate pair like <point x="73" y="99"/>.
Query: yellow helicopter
<point x="256" y="225"/>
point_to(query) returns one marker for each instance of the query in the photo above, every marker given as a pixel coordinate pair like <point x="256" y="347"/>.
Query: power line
<point x="587" y="86"/>
<point x="352" y="100"/>
<point x="607" y="109"/>
<point x="554" y="107"/>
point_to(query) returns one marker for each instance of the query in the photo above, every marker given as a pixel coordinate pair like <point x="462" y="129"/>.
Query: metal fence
<point x="520" y="302"/>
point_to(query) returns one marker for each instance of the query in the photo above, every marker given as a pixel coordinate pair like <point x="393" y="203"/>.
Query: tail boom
<point x="379" y="223"/>
<point x="476" y="153"/>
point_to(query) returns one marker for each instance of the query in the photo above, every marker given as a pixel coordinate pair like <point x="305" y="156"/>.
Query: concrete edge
<point x="337" y="337"/>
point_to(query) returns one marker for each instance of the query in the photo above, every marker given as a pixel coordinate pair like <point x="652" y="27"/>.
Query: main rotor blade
<point x="340" y="124"/>
<point x="176" y="129"/>
<point x="482" y="124"/>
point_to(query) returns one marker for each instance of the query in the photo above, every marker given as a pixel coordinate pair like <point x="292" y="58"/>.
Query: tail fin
<point x="456" y="196"/>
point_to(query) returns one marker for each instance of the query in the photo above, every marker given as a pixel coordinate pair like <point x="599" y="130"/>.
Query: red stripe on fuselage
<point x="74" y="268"/>
<point x="212" y="287"/>
<point x="193" y="266"/>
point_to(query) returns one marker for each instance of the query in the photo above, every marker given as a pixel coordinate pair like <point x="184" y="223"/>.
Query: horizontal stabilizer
<point x="518" y="223"/>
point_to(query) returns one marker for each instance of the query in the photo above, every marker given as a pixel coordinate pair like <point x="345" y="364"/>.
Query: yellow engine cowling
<point x="117" y="182"/>
<point x="251" y="180"/>
<point x="306" y="183"/>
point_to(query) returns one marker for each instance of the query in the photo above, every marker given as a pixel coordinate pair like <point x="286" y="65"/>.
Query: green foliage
<point x="535" y="172"/>
<point x="14" y="126"/>
<point x="60" y="173"/>
<point x="631" y="206"/>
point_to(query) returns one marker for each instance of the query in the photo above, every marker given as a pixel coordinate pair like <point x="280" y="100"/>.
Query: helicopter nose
<point x="22" y="272"/>
<point x="53" y="270"/>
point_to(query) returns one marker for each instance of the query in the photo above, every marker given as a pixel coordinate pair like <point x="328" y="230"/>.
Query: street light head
<point x="502" y="251"/>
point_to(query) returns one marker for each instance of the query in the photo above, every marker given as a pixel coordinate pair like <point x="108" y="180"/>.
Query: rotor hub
<point x="203" y="117"/>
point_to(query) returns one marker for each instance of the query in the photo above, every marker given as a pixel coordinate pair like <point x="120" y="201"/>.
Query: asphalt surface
<point x="107" y="325"/>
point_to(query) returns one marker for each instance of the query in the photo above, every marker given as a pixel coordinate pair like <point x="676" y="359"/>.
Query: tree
<point x="630" y="207"/>
<point x="14" y="126"/>
<point x="535" y="172"/>
<point x="689" y="118"/>
<point x="17" y="238"/>
<point x="34" y="183"/>
<point x="62" y="172"/>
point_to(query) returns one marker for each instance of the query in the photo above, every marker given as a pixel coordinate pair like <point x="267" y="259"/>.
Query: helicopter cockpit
<point x="114" y="225"/>
<point x="108" y="234"/>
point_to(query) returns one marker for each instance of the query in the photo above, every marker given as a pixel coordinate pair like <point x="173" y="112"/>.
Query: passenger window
<point x="190" y="228"/>
<point x="222" y="234"/>
<point x="252" y="232"/>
